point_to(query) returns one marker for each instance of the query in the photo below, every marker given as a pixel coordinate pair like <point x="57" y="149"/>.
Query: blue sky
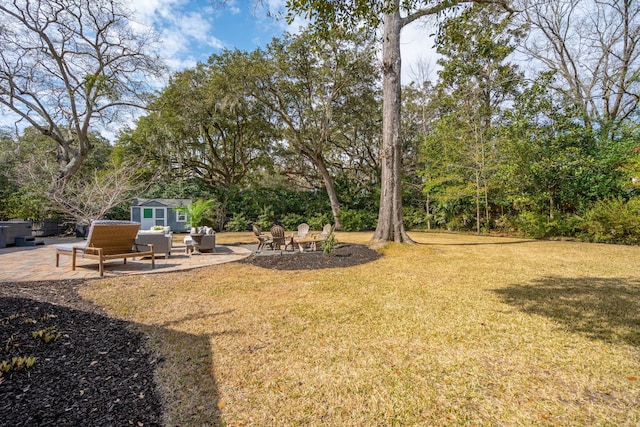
<point x="191" y="30"/>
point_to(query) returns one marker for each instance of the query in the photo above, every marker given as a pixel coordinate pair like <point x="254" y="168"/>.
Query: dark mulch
<point x="97" y="373"/>
<point x="345" y="255"/>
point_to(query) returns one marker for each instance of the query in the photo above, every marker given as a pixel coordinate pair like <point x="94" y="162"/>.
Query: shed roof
<point x="169" y="203"/>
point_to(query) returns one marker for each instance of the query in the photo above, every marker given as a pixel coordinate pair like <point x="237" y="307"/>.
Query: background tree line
<point x="293" y="132"/>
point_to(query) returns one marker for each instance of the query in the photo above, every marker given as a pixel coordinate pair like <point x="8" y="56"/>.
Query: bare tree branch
<point x="87" y="199"/>
<point x="66" y="65"/>
<point x="594" y="47"/>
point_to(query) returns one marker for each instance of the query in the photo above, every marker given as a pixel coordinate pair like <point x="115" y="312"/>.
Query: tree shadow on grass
<point x="606" y="309"/>
<point x="99" y="371"/>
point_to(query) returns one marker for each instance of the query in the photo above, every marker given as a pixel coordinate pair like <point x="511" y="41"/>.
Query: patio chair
<point x="162" y="242"/>
<point x="303" y="230"/>
<point x="263" y="239"/>
<point x="324" y="235"/>
<point x="279" y="239"/>
<point x="207" y="243"/>
<point x="326" y="230"/>
<point x="107" y="240"/>
<point x="303" y="239"/>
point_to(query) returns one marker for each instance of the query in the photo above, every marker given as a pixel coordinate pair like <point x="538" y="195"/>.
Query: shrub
<point x="461" y="222"/>
<point x="532" y="224"/>
<point x="266" y="219"/>
<point x="357" y="220"/>
<point x="414" y="218"/>
<point x="317" y="221"/>
<point x="330" y="244"/>
<point x="613" y="221"/>
<point x="238" y="223"/>
<point x="538" y="226"/>
<point x="565" y="225"/>
<point x="503" y="223"/>
<point x="291" y="221"/>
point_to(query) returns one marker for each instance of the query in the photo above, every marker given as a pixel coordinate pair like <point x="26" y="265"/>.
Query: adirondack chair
<point x="263" y="239"/>
<point x="303" y="239"/>
<point x="107" y="240"/>
<point x="303" y="230"/>
<point x="326" y="230"/>
<point x="322" y="237"/>
<point x="279" y="239"/>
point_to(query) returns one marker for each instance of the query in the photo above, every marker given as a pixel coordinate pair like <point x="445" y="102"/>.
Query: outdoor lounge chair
<point x="303" y="239"/>
<point x="263" y="239"/>
<point x="107" y="240"/>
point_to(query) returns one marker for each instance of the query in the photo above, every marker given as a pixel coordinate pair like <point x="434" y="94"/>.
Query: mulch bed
<point x="345" y="255"/>
<point x="95" y="370"/>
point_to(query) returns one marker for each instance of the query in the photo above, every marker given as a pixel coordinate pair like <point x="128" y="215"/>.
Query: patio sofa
<point x="13" y="229"/>
<point x="162" y="240"/>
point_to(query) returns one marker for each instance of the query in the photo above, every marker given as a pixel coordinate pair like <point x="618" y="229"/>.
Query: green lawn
<point x="457" y="330"/>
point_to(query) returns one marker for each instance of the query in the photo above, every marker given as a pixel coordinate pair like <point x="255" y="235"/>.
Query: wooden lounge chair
<point x="263" y="239"/>
<point x="107" y="240"/>
<point x="303" y="239"/>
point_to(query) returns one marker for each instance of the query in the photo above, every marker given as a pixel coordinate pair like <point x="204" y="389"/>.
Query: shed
<point x="150" y="212"/>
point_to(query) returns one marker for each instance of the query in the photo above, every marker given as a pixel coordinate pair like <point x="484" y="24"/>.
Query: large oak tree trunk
<point x="390" y="224"/>
<point x="331" y="191"/>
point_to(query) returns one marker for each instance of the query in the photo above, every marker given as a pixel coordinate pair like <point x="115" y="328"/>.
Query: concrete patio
<point x="22" y="264"/>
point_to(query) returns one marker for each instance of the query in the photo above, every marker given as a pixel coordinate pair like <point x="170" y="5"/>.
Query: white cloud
<point x="172" y="45"/>
<point x="185" y="32"/>
<point x="194" y="26"/>
<point x="274" y="5"/>
<point x="232" y="6"/>
<point x="148" y="10"/>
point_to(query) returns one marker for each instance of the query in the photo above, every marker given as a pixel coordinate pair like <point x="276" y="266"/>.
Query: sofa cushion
<point x="150" y="232"/>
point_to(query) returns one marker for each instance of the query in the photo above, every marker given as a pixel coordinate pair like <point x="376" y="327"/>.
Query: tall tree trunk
<point x="428" y="207"/>
<point x="478" y="202"/>
<point x="390" y="224"/>
<point x="487" y="211"/>
<point x="331" y="191"/>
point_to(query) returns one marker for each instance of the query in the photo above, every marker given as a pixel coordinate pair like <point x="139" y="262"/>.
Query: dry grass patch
<point x="458" y="330"/>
